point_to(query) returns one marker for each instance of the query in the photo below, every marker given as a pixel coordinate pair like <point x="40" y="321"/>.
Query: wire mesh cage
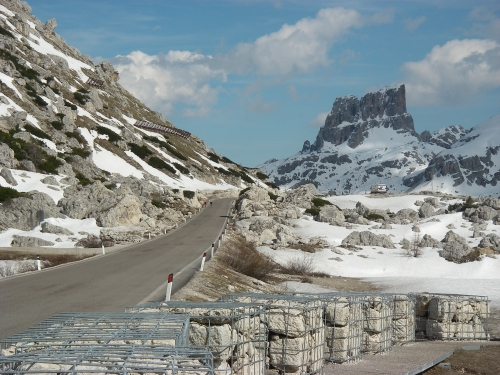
<point x="344" y="325"/>
<point x="403" y="319"/>
<point x="232" y="331"/>
<point x="104" y="328"/>
<point x="452" y="317"/>
<point x="296" y="331"/>
<point x="110" y="359"/>
<point x="377" y="323"/>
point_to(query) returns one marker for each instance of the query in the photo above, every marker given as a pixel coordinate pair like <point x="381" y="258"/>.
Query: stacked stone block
<point x="233" y="332"/>
<point x="403" y="319"/>
<point x="377" y="323"/>
<point x="80" y="329"/>
<point x="110" y="359"/>
<point x="296" y="331"/>
<point x="451" y="317"/>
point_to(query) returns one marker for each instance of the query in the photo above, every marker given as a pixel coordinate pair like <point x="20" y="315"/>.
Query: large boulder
<point x="302" y="196"/>
<point x="454" y="251"/>
<point x="331" y="214"/>
<point x="117" y="211"/>
<point x="367" y="238"/>
<point x="55" y="229"/>
<point x="7" y="157"/>
<point x="25" y="241"/>
<point x="261" y="224"/>
<point x="481" y="213"/>
<point x="7" y="175"/>
<point x="453" y="237"/>
<point x="26" y="213"/>
<point x="428" y="241"/>
<point x="490" y="241"/>
<point x="81" y="202"/>
<point x="426" y="210"/>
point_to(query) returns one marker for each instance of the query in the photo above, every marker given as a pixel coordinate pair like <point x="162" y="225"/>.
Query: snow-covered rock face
<point x="372" y="140"/>
<point x="73" y="138"/>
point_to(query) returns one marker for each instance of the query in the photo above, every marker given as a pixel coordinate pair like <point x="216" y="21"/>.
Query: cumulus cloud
<point x="179" y="76"/>
<point x="412" y="24"/>
<point x="195" y="80"/>
<point x="485" y="22"/>
<point x="300" y="47"/>
<point x="319" y="120"/>
<point x="453" y="73"/>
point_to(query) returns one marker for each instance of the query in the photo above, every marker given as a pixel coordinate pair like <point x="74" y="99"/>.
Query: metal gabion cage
<point x="344" y="325"/>
<point x="452" y="317"/>
<point x="403" y="319"/>
<point x="232" y="332"/>
<point x="110" y="359"/>
<point x="104" y="328"/>
<point x="296" y="331"/>
<point x="377" y="322"/>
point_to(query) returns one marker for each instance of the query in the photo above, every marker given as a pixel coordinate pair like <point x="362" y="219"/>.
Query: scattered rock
<point x="367" y="238"/>
<point x="54" y="229"/>
<point x="25" y="241"/>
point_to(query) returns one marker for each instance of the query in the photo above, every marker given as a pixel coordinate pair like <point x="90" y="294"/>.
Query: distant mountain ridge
<point x="373" y="140"/>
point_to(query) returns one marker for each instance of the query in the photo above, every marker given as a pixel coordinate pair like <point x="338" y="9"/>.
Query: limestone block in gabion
<point x="403" y="306"/>
<point x="403" y="330"/>
<point x="248" y="325"/>
<point x="464" y="312"/>
<point x="220" y="340"/>
<point x="290" y="322"/>
<point x="288" y="354"/>
<point x="337" y="313"/>
<point x="441" y="330"/>
<point x="377" y="321"/>
<point x="246" y="365"/>
<point x="376" y="342"/>
<point x="482" y="309"/>
<point x="422" y="304"/>
<point x="442" y="309"/>
<point x="420" y="324"/>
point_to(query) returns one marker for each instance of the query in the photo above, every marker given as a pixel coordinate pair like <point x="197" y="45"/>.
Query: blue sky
<point x="255" y="78"/>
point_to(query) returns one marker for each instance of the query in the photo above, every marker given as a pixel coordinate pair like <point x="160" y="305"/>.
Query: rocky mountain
<point x="373" y="140"/>
<point x="74" y="144"/>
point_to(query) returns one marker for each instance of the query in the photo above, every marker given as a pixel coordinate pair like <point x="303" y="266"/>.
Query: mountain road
<point x="111" y="282"/>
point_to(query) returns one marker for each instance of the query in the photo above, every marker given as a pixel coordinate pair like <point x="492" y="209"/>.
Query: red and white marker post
<point x="212" y="251"/>
<point x="38" y="263"/>
<point x="203" y="261"/>
<point x="169" y="286"/>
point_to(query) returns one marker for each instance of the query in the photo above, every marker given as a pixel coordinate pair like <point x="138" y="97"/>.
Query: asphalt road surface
<point x="138" y="274"/>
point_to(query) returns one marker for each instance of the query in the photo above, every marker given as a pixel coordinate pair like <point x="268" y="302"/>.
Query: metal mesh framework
<point x="403" y="319"/>
<point x="232" y="332"/>
<point x="452" y="317"/>
<point x="161" y="128"/>
<point x="296" y="331"/>
<point x="377" y="319"/>
<point x="95" y="82"/>
<point x="344" y="325"/>
<point x="104" y="328"/>
<point x="110" y="359"/>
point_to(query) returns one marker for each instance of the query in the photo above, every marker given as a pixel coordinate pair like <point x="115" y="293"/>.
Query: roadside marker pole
<point x="218" y="245"/>
<point x="169" y="286"/>
<point x="212" y="251"/>
<point x="203" y="261"/>
<point x="38" y="263"/>
<point x="103" y="251"/>
<point x="165" y="230"/>
<point x="149" y="235"/>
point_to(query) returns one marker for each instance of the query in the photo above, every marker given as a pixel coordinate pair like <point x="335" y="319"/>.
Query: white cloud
<point x="485" y="22"/>
<point x="453" y="73"/>
<point x="319" y="120"/>
<point x="161" y="81"/>
<point x="411" y="24"/>
<point x="300" y="47"/>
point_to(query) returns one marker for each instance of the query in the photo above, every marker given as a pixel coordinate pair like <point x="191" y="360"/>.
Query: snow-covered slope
<point x="83" y="148"/>
<point x="372" y="140"/>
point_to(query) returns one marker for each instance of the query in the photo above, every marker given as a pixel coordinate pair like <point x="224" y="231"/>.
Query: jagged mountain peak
<point x="351" y="118"/>
<point x="372" y="140"/>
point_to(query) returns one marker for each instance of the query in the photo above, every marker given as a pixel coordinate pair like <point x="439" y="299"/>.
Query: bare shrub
<point x="92" y="241"/>
<point x="299" y="265"/>
<point x="415" y="246"/>
<point x="246" y="259"/>
<point x="6" y="270"/>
